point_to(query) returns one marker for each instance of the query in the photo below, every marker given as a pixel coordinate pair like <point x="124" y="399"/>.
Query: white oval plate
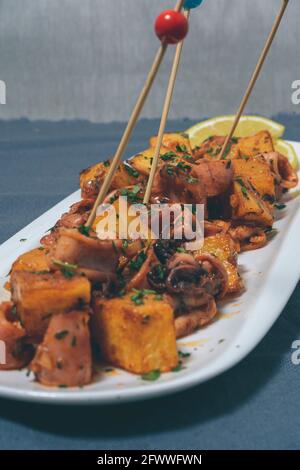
<point x="270" y="275"/>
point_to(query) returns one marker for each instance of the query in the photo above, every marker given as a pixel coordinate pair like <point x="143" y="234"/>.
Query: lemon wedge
<point x="248" y="125"/>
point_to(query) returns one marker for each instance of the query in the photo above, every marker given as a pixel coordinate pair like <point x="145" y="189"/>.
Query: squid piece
<point x="191" y="183"/>
<point x="136" y="332"/>
<point x="193" y="284"/>
<point x="190" y="322"/>
<point x="88" y="255"/>
<point x="40" y="296"/>
<point x="249" y="237"/>
<point x="15" y="352"/>
<point x="64" y="358"/>
<point x="286" y="177"/>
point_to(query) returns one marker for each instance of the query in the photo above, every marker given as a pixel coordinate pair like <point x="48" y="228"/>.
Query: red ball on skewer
<point x="171" y="27"/>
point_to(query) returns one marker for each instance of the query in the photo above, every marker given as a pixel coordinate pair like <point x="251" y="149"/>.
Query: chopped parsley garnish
<point x="178" y="368"/>
<point x="137" y="263"/>
<point x="280" y="207"/>
<point x="106" y="163"/>
<point x="181" y="148"/>
<point x="183" y="166"/>
<point x="61" y="334"/>
<point x="181" y="250"/>
<point x="132" y="194"/>
<point x="243" y="187"/>
<point x="227" y="151"/>
<point x="84" y="230"/>
<point x="140" y="294"/>
<point x="168" y="156"/>
<point x="151" y="376"/>
<point x="67" y="269"/>
<point x="124" y="246"/>
<point x="23" y="239"/>
<point x="131" y="171"/>
<point x="268" y="198"/>
<point x="184" y="355"/>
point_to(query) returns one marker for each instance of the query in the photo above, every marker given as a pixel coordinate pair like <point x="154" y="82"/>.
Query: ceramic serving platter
<point x="270" y="276"/>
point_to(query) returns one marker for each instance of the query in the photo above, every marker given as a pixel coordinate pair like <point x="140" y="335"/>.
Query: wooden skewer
<point x="164" y="117"/>
<point x="255" y="75"/>
<point x="130" y="126"/>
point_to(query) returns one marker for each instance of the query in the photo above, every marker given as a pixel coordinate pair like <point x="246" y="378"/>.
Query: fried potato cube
<point x="177" y="142"/>
<point x="247" y="204"/>
<point x="254" y="145"/>
<point x="32" y="261"/>
<point x="91" y="179"/>
<point x="258" y="173"/>
<point x="39" y="296"/>
<point x="64" y="357"/>
<point x="136" y="336"/>
<point x="142" y="162"/>
<point x="225" y="249"/>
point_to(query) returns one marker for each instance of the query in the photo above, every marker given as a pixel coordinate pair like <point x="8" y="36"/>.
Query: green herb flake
<point x="151" y="376"/>
<point x="137" y="263"/>
<point x="67" y="269"/>
<point x="280" y="207"/>
<point x="61" y="334"/>
<point x="131" y="171"/>
<point x="84" y="230"/>
<point x="178" y="368"/>
<point x="169" y="156"/>
<point x="184" y="355"/>
<point x="181" y="148"/>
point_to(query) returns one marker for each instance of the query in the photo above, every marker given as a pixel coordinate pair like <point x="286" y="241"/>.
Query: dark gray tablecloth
<point x="253" y="406"/>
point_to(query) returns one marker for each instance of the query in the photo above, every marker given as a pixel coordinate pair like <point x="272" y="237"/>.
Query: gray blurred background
<point x="87" y="59"/>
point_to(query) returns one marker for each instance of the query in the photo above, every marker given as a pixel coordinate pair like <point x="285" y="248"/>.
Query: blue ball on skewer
<point x="190" y="4"/>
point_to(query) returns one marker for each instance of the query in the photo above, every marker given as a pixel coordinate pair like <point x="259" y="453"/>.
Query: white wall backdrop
<point x="65" y="59"/>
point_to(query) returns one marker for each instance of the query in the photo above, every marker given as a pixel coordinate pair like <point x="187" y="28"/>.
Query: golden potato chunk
<point x="177" y="142"/>
<point x="247" y="204"/>
<point x="225" y="249"/>
<point x="258" y="173"/>
<point x="136" y="332"/>
<point x="32" y="261"/>
<point x="91" y="179"/>
<point x="256" y="144"/>
<point x="39" y="296"/>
